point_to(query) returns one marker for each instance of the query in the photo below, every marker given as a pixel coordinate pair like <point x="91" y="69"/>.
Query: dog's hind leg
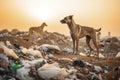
<point x="88" y="38"/>
<point x="95" y="44"/>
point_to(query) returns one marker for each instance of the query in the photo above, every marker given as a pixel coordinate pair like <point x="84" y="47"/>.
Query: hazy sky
<point x="22" y="14"/>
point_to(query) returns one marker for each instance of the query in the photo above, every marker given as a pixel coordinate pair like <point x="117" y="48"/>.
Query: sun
<point x="42" y="13"/>
<point x="39" y="11"/>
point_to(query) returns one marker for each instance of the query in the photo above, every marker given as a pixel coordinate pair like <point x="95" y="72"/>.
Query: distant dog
<point x="35" y="32"/>
<point x="77" y="31"/>
<point x="38" y="29"/>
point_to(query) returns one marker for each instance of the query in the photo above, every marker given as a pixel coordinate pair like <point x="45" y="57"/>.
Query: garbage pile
<point x="55" y="39"/>
<point x="48" y="57"/>
<point x="40" y="63"/>
<point x="110" y="46"/>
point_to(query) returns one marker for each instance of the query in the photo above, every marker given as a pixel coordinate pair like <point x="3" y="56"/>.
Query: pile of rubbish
<point x="40" y="63"/>
<point x="48" y="57"/>
<point x="52" y="38"/>
<point x="110" y="45"/>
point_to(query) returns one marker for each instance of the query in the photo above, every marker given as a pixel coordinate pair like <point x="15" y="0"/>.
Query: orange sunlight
<point x="38" y="11"/>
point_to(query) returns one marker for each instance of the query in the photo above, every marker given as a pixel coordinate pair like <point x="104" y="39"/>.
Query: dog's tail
<point x="97" y="30"/>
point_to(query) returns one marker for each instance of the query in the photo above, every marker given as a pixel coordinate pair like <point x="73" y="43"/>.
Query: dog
<point x="77" y="31"/>
<point x="35" y="32"/>
<point x="38" y="29"/>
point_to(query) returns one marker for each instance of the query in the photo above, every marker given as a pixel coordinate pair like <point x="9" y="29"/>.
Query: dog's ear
<point x="71" y="16"/>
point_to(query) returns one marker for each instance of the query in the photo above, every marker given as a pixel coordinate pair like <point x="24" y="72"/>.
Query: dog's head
<point x="44" y="24"/>
<point x="67" y="19"/>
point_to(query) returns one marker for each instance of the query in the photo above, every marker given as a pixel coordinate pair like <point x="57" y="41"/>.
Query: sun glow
<point x="39" y="11"/>
<point x="43" y="13"/>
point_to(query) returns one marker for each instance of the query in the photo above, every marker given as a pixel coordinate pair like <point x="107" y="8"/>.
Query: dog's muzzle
<point x="63" y="21"/>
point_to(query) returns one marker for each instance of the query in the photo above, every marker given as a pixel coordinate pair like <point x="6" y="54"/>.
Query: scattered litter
<point x="79" y="63"/>
<point x="22" y="58"/>
<point x="118" y="54"/>
<point x="82" y="54"/>
<point x="98" y="69"/>
<point x="52" y="71"/>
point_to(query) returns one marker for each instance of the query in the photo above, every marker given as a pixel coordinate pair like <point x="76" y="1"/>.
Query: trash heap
<point x="42" y="63"/>
<point x="110" y="46"/>
<point x="55" y="39"/>
<point x="52" y="38"/>
<point x="48" y="57"/>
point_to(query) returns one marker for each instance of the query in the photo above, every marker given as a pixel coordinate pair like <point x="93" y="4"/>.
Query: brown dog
<point x="38" y="29"/>
<point x="78" y="31"/>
